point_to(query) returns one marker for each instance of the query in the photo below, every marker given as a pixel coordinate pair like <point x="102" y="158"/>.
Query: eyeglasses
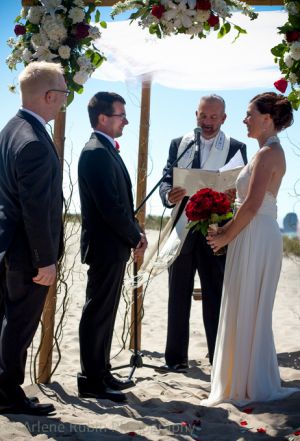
<point x="120" y="115"/>
<point x="66" y="92"/>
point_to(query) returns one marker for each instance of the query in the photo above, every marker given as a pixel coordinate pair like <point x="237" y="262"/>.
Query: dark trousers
<point x="23" y="302"/>
<point x="195" y="255"/>
<point x="98" y="318"/>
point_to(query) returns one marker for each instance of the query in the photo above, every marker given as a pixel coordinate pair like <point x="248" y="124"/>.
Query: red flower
<point x="205" y="5"/>
<point x="157" y="11"/>
<point x="292" y="36"/>
<point x="281" y="85"/>
<point x="248" y="410"/>
<point x="20" y="29"/>
<point x="213" y="20"/>
<point x="205" y="202"/>
<point x="297" y="432"/>
<point x="261" y="430"/>
<point x="82" y="30"/>
<point x="243" y="423"/>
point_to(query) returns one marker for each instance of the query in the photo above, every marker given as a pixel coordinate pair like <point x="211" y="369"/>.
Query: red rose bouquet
<point x="207" y="207"/>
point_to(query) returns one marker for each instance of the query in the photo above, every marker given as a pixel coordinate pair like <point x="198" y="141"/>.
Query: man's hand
<point x="176" y="195"/>
<point x="140" y="249"/>
<point x="46" y="276"/>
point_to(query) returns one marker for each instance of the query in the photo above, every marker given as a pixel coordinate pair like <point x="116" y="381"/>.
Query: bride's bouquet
<point x="207" y="208"/>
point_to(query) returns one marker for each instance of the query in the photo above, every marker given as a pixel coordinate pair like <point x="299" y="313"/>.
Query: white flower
<point x="24" y="11"/>
<point x="35" y="14"/>
<point x="295" y="50"/>
<point x="221" y="8"/>
<point x="64" y="52"/>
<point x="18" y="53"/>
<point x="27" y="55"/>
<point x="202" y="16"/>
<point x="94" y="32"/>
<point x="293" y="78"/>
<point x="37" y="40"/>
<point x="43" y="53"/>
<point x="11" y="42"/>
<point x="81" y="77"/>
<point x="52" y="6"/>
<point x="11" y="61"/>
<point x="292" y="8"/>
<point x="181" y="16"/>
<point x="84" y="62"/>
<point x="79" y="3"/>
<point x="288" y="60"/>
<point x="76" y="15"/>
<point x="195" y="29"/>
<point x="54" y="28"/>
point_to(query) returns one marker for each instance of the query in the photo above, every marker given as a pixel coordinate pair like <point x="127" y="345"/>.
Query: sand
<point x="162" y="406"/>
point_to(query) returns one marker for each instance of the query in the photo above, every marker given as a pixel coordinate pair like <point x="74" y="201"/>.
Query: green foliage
<point x="156" y="222"/>
<point x="224" y="29"/>
<point x="291" y="246"/>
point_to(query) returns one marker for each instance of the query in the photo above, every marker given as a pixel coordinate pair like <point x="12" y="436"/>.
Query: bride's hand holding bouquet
<point x="205" y="210"/>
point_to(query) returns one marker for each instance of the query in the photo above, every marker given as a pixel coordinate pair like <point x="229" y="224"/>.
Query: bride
<point x="245" y="367"/>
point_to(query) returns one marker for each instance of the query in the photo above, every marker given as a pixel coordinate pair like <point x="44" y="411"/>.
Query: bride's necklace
<point x="272" y="140"/>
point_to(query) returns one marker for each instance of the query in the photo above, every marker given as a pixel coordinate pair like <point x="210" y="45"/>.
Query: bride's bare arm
<point x="267" y="161"/>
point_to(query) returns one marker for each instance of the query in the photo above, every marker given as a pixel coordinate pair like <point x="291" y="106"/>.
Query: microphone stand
<point x="136" y="360"/>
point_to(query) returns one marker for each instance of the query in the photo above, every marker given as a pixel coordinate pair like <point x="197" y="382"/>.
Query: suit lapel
<point x="115" y="154"/>
<point x="38" y="127"/>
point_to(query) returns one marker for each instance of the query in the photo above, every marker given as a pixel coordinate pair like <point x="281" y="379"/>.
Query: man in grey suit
<point x="30" y="225"/>
<point x="109" y="232"/>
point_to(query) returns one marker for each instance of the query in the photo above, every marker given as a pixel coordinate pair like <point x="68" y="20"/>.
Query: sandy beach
<point x="163" y="406"/>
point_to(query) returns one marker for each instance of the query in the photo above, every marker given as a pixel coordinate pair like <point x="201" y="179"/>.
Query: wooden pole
<point x="48" y="317"/>
<point x="141" y="192"/>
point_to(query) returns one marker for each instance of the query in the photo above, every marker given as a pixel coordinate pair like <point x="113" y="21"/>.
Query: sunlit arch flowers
<point x="193" y="17"/>
<point x="59" y="31"/>
<point x="287" y="53"/>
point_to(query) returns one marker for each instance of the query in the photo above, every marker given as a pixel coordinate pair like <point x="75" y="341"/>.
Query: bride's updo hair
<point x="278" y="106"/>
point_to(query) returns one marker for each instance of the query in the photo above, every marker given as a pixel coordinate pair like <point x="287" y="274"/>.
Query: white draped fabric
<point x="207" y="64"/>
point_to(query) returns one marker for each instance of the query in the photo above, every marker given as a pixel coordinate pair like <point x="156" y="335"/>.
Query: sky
<point x="172" y="108"/>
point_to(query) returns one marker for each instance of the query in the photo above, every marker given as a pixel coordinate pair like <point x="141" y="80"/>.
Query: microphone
<point x="197" y="133"/>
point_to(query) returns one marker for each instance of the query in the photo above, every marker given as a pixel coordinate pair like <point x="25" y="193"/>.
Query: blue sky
<point x="172" y="114"/>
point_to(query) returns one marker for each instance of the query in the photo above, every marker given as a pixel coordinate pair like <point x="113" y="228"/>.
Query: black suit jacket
<point x="30" y="195"/>
<point x="167" y="183"/>
<point x="109" y="229"/>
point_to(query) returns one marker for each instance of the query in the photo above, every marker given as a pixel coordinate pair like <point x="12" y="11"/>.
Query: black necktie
<point x="197" y="159"/>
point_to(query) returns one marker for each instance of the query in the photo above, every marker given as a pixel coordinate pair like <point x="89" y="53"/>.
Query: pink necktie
<point x="117" y="145"/>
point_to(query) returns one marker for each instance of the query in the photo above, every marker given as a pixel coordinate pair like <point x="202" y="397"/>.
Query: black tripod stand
<point x="136" y="360"/>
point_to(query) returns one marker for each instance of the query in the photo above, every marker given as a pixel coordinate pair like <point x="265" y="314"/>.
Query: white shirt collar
<point x="208" y="142"/>
<point x="106" y="136"/>
<point x="38" y="117"/>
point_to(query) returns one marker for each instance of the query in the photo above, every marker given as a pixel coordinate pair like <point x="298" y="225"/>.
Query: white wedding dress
<point x="245" y="365"/>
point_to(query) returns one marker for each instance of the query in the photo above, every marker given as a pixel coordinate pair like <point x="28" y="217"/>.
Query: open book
<point x="194" y="179"/>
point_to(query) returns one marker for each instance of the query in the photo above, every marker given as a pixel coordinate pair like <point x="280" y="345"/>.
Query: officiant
<point x="210" y="151"/>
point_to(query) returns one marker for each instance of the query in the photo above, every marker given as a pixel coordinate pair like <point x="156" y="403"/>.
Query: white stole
<point x="163" y="254"/>
<point x="216" y="159"/>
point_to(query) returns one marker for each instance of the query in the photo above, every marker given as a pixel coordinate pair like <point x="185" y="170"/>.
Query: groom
<point x="109" y="232"/>
<point x="216" y="149"/>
